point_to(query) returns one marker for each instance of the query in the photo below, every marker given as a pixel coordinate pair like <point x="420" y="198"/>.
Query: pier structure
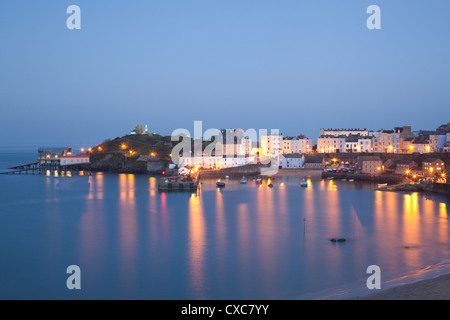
<point x="53" y="159"/>
<point x="26" y="168"/>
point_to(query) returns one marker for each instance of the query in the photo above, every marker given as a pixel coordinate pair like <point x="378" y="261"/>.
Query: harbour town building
<point x="371" y="165"/>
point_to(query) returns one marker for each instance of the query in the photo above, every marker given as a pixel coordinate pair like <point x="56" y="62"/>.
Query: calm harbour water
<point x="240" y="242"/>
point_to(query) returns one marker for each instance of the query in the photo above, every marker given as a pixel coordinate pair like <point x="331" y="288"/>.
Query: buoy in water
<point x="338" y="240"/>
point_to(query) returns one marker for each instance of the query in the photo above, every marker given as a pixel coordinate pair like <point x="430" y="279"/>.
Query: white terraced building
<point x="292" y="161"/>
<point x="329" y="144"/>
<point x="365" y="144"/>
<point x="271" y="145"/>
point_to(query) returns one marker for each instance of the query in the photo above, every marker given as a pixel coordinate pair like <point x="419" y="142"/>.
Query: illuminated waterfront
<point x="239" y="242"/>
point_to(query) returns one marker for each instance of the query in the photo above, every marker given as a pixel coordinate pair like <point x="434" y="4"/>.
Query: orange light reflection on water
<point x="127" y="227"/>
<point x="221" y="228"/>
<point x="152" y="194"/>
<point x="93" y="221"/>
<point x="443" y="210"/>
<point x="267" y="233"/>
<point x="412" y="228"/>
<point x="197" y="243"/>
<point x="164" y="217"/>
<point x="443" y="231"/>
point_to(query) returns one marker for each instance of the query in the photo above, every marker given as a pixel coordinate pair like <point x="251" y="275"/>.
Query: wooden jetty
<point x="26" y="168"/>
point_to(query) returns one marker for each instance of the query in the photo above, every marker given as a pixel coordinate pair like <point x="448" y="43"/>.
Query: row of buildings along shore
<point x="410" y="169"/>
<point x="400" y="151"/>
<point x="235" y="148"/>
<point x="398" y="140"/>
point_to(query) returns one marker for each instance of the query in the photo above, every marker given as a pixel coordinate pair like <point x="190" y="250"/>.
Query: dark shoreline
<point x="362" y="177"/>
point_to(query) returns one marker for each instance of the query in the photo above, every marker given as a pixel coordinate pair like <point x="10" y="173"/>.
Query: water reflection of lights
<point x="411" y="204"/>
<point x="443" y="210"/>
<point x="332" y="186"/>
<point x="152" y="187"/>
<point x="197" y="246"/>
<point x="220" y="223"/>
<point x="127" y="224"/>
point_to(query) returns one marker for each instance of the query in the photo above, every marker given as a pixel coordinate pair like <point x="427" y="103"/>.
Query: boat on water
<point x="258" y="181"/>
<point x="174" y="184"/>
<point x="303" y="184"/>
<point x="227" y="177"/>
<point x="243" y="180"/>
<point x="382" y="185"/>
<point x="220" y="184"/>
<point x="351" y="180"/>
<point x="330" y="178"/>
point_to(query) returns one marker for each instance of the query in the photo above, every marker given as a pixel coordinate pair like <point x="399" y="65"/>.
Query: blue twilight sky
<point x="292" y="65"/>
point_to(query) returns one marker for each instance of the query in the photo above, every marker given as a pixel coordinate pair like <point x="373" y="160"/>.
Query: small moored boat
<point x="243" y="180"/>
<point x="258" y="181"/>
<point x="220" y="184"/>
<point x="382" y="185"/>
